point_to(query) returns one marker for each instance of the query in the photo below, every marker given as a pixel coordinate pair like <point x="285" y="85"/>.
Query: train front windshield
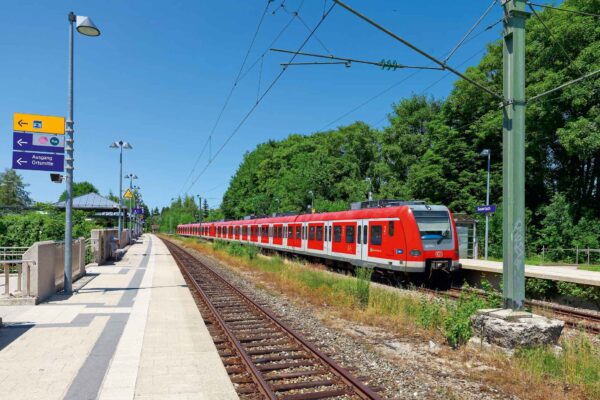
<point x="435" y="229"/>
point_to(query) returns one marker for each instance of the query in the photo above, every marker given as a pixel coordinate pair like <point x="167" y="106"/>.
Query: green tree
<point x="79" y="189"/>
<point x="12" y="190"/>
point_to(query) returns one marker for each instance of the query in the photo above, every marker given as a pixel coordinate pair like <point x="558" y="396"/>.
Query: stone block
<point x="512" y="329"/>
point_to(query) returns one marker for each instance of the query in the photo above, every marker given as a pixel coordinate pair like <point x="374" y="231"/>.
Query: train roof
<point x="382" y="212"/>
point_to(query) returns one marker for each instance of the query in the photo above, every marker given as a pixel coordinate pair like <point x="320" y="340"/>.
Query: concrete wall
<point x="47" y="275"/>
<point x="104" y="243"/>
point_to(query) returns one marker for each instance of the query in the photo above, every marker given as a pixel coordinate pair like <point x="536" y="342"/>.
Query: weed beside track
<point x="539" y="373"/>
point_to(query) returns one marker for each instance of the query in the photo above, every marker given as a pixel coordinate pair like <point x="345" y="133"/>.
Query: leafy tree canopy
<point x="431" y="148"/>
<point x="79" y="189"/>
<point x="12" y="190"/>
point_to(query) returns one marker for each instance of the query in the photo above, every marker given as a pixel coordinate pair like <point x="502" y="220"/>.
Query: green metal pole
<point x="513" y="213"/>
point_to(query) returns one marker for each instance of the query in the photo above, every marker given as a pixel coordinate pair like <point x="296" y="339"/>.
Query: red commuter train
<point x="411" y="237"/>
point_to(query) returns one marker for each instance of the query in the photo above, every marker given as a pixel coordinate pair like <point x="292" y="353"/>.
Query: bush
<point x="26" y="229"/>
<point x="457" y="325"/>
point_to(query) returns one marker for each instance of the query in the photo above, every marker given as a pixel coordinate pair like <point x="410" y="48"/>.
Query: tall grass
<point x="356" y="299"/>
<point x="363" y="284"/>
<point x="577" y="364"/>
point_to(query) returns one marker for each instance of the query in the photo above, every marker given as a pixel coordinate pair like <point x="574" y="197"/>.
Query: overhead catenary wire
<point x="418" y="50"/>
<point x="466" y="35"/>
<point x="396" y="84"/>
<point x="564" y="9"/>
<point x="564" y="85"/>
<point x="558" y="43"/>
<point x="267" y="90"/>
<point x="437" y="81"/>
<point x="233" y="87"/>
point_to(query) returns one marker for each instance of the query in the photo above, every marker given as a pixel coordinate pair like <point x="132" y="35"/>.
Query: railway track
<point x="574" y="318"/>
<point x="263" y="356"/>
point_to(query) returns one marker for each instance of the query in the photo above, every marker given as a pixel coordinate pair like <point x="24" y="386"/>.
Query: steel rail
<point x="262" y="385"/>
<point x="360" y="389"/>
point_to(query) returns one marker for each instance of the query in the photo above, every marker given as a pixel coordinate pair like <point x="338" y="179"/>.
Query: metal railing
<point x="577" y="255"/>
<point x="12" y="253"/>
<point x="18" y="264"/>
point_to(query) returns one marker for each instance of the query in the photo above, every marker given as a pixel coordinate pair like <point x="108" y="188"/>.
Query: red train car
<point x="414" y="237"/>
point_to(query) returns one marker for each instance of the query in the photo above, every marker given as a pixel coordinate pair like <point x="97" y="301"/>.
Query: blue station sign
<point x="491" y="208"/>
<point x="42" y="142"/>
<point x="38" y="161"/>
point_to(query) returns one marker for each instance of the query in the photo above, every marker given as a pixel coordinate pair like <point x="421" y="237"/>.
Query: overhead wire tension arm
<point x="385" y="64"/>
<point x="442" y="64"/>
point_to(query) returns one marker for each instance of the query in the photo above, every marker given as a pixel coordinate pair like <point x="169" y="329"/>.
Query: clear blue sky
<point x="161" y="71"/>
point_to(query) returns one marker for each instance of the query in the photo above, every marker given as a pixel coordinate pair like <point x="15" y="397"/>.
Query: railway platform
<point x="131" y="331"/>
<point x="563" y="273"/>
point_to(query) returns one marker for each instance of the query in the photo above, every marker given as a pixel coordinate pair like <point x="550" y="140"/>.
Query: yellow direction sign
<point x="39" y="123"/>
<point x="128" y="194"/>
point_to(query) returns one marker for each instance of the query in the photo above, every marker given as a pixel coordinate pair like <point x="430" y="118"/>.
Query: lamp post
<point x="120" y="145"/>
<point x="278" y="202"/>
<point x="312" y="203"/>
<point x="171" y="216"/>
<point x="199" y="214"/>
<point x="136" y="217"/>
<point x="370" y="188"/>
<point x="86" y="27"/>
<point x="487" y="153"/>
<point x="131" y="177"/>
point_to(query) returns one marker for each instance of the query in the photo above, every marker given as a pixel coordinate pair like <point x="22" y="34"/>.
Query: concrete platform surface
<point x="132" y="332"/>
<point x="555" y="273"/>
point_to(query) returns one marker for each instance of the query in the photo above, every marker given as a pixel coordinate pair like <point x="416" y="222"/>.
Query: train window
<point x="365" y="234"/>
<point x="376" y="235"/>
<point x="329" y="234"/>
<point x="337" y="234"/>
<point x="349" y="234"/>
<point x="290" y="232"/>
<point x="358" y="237"/>
<point x="391" y="228"/>
<point x="319" y="233"/>
<point x="280" y="232"/>
<point x="311" y="234"/>
<point x="298" y="233"/>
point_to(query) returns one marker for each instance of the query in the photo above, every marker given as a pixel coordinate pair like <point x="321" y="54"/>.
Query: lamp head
<point x="114" y="145"/>
<point x="85" y="26"/>
<point x="485" y="153"/>
<point x="126" y="145"/>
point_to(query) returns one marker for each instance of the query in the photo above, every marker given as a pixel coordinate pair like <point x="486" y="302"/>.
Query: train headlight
<point x="415" y="253"/>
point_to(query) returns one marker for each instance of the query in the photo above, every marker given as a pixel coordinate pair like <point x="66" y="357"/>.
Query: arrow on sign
<point x="21" y="123"/>
<point x="20" y="161"/>
<point x="21" y="142"/>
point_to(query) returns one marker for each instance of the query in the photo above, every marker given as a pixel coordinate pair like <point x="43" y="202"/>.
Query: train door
<point x="362" y="239"/>
<point x="327" y="242"/>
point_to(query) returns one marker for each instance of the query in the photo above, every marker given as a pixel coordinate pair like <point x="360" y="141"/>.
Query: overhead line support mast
<point x="513" y="145"/>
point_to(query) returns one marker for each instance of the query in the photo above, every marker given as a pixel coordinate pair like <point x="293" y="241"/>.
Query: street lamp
<point x="131" y="177"/>
<point x="370" y="188"/>
<point x="171" y="216"/>
<point x="278" y="202"/>
<point x="120" y="145"/>
<point x="86" y="27"/>
<point x="487" y="153"/>
<point x="312" y="204"/>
